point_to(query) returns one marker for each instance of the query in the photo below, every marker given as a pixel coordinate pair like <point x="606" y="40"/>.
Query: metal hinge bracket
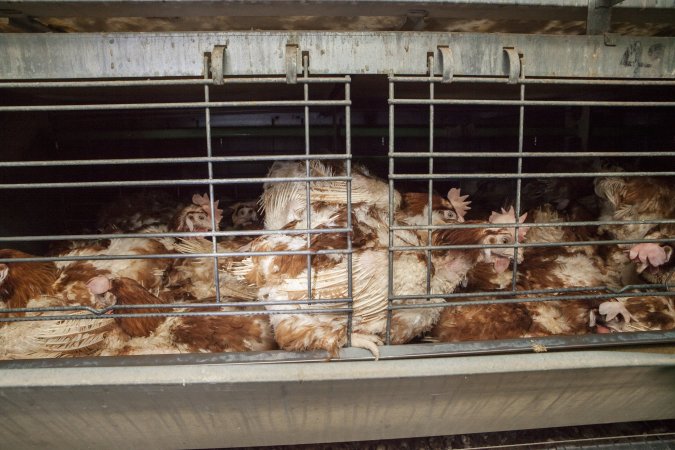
<point x="515" y="64"/>
<point x="292" y="55"/>
<point x="218" y="64"/>
<point x="447" y="63"/>
<point x="599" y="16"/>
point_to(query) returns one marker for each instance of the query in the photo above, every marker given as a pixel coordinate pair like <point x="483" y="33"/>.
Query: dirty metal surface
<point x="123" y="55"/>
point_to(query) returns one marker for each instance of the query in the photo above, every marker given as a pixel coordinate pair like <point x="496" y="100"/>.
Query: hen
<point x="284" y="278"/>
<point x="156" y="334"/>
<point x="191" y="279"/>
<point x="245" y="216"/>
<point x="639" y="199"/>
<point x="15" y="290"/>
<point x="149" y="271"/>
<point x="137" y="212"/>
<point x="66" y="336"/>
<point x="542" y="268"/>
<point x="64" y="285"/>
<point x="40" y="286"/>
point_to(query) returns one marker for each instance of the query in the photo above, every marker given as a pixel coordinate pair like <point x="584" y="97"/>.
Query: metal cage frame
<point x="299" y="402"/>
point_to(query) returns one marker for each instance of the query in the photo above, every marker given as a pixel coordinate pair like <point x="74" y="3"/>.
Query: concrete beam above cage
<point x="133" y="55"/>
<point x="632" y="10"/>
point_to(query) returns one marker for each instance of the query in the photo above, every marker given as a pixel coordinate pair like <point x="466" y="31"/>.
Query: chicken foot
<point x="369" y="342"/>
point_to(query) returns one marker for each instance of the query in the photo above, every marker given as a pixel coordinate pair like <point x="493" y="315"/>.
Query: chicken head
<point x="197" y="217"/>
<point x="501" y="257"/>
<point x="244" y="214"/>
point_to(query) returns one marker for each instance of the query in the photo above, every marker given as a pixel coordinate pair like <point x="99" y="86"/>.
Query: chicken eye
<point x="201" y="216"/>
<point x="503" y="239"/>
<point x="449" y="214"/>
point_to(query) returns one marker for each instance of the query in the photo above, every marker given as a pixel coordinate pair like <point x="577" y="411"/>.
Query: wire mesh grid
<point x="225" y="306"/>
<point x="222" y="306"/>
<point x="513" y="294"/>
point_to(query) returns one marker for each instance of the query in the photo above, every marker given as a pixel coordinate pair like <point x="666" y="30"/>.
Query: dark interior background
<point x="181" y="132"/>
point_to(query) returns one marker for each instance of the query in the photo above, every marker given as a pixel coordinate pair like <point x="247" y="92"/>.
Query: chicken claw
<point x="649" y="254"/>
<point x="368" y="341"/>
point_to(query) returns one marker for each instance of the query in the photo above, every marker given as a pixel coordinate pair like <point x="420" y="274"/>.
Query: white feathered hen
<point x="284" y="278"/>
<point x="39" y="286"/>
<point x="149" y="272"/>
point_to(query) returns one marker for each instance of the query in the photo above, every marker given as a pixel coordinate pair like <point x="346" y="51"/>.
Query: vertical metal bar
<point x="209" y="153"/>
<point x="390" y="274"/>
<point x="521" y="120"/>
<point x="348" y="170"/>
<point x="430" y="64"/>
<point x="308" y="205"/>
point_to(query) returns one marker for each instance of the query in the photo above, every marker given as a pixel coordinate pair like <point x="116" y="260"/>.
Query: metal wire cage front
<point x="80" y="114"/>
<point x="503" y="125"/>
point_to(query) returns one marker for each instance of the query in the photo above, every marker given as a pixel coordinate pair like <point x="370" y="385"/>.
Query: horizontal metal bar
<point x="448" y="176"/>
<point x="554" y="298"/>
<point x="532" y="224"/>
<point x="474" y="296"/>
<point x="550" y="343"/>
<point x="164" y="82"/>
<point x="329" y="130"/>
<point x="553" y="154"/>
<point x="176" y="314"/>
<point x="176" y="255"/>
<point x="177" y="105"/>
<point x="333" y="251"/>
<point x="553" y="81"/>
<point x="387" y="352"/>
<point x="186" y="160"/>
<point x="645" y="288"/>
<point x="103" y="312"/>
<point x="90" y="55"/>
<point x="646" y="441"/>
<point x="419" y="248"/>
<point x="185" y="182"/>
<point x="509" y="293"/>
<point x="234" y="233"/>
<point x="421" y="101"/>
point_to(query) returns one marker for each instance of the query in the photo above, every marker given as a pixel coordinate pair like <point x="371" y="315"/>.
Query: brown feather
<point x="26" y="280"/>
<point x="224" y="333"/>
<point x="482" y="322"/>
<point x="292" y="335"/>
<point x="129" y="292"/>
